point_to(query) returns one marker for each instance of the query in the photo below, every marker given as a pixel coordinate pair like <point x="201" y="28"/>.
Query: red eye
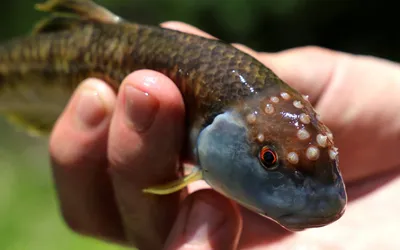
<point x="268" y="158"/>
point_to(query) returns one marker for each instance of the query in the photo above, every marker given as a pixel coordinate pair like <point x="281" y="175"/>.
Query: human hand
<point x="101" y="168"/>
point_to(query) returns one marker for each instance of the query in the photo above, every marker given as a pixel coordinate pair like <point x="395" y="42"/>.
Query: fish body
<point x="253" y="137"/>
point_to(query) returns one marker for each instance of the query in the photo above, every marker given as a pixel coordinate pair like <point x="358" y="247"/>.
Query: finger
<point x="246" y="49"/>
<point x="301" y="68"/>
<point x="183" y="27"/>
<point x="259" y="232"/>
<point x="307" y="69"/>
<point x="78" y="150"/>
<point x="361" y="105"/>
<point x="144" y="145"/>
<point x="206" y="221"/>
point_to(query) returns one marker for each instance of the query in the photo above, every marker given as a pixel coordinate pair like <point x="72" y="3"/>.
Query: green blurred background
<point x="29" y="218"/>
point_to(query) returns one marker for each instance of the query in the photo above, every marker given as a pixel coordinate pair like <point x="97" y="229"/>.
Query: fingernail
<point x="91" y="110"/>
<point x="140" y="107"/>
<point x="204" y="220"/>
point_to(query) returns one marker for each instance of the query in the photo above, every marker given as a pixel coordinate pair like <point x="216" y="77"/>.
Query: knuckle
<point x="70" y="153"/>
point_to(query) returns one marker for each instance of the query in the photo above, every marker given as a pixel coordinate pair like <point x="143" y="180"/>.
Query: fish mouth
<point x="298" y="222"/>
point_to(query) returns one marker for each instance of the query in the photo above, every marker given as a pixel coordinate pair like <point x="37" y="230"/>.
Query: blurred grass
<point x="29" y="217"/>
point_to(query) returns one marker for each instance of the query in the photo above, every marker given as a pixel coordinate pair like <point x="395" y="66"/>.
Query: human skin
<point x="106" y="147"/>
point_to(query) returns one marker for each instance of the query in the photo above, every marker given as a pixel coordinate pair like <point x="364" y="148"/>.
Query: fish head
<point x="272" y="154"/>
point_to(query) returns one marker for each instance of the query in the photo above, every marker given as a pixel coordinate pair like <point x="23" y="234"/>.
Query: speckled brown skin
<point x="212" y="75"/>
<point x="201" y="68"/>
<point x="280" y="128"/>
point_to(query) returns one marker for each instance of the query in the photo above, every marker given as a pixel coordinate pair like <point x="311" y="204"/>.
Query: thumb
<point x="206" y="221"/>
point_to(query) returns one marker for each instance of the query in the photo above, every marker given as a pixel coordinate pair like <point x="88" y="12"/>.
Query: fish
<point x="250" y="136"/>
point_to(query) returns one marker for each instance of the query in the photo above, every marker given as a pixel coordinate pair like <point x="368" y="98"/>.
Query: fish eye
<point x="268" y="158"/>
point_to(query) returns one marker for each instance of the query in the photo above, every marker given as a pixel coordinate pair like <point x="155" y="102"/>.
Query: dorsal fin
<point x="56" y="23"/>
<point x="85" y="9"/>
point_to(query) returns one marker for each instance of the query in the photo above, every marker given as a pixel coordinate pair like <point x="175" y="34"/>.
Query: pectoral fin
<point x="85" y="9"/>
<point x="176" y="185"/>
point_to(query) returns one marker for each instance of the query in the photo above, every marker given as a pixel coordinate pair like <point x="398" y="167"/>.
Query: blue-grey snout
<point x="323" y="205"/>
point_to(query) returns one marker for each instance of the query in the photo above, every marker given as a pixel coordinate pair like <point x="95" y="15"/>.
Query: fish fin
<point x="33" y="103"/>
<point x="176" y="185"/>
<point x="30" y="125"/>
<point x="56" y="23"/>
<point x="85" y="9"/>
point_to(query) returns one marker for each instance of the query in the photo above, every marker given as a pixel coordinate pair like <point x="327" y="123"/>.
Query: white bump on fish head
<point x="312" y="153"/>
<point x="251" y="118"/>
<point x="333" y="152"/>
<point x="297" y="104"/>
<point x="303" y="134"/>
<point x="318" y="116"/>
<point x="330" y="135"/>
<point x="274" y="99"/>
<point x="285" y="95"/>
<point x="304" y="118"/>
<point x="305" y="97"/>
<point x="269" y="109"/>
<point x="260" y="137"/>
<point x="322" y="140"/>
<point x="293" y="157"/>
